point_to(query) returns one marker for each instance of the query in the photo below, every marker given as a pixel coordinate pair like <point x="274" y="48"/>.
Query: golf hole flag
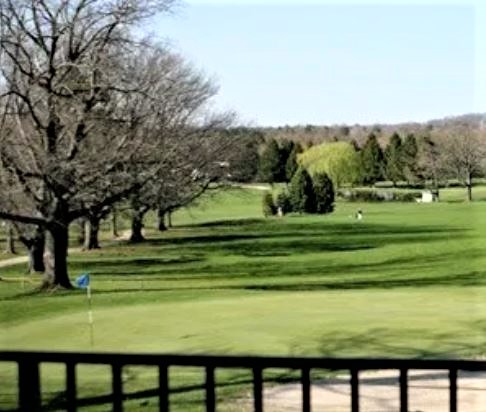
<point x="82" y="281"/>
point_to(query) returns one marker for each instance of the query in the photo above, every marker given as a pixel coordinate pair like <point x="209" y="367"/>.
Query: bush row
<point x="378" y="196"/>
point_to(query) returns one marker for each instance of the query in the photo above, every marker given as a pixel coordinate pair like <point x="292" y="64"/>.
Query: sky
<point x="287" y="62"/>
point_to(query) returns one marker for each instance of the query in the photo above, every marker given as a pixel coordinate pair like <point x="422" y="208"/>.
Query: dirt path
<point x="379" y="392"/>
<point x="125" y="235"/>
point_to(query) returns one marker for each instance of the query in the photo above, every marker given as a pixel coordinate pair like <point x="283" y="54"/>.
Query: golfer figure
<point x="359" y="214"/>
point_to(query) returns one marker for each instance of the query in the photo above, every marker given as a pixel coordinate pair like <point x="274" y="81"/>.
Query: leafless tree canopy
<point x="463" y="152"/>
<point x="89" y="112"/>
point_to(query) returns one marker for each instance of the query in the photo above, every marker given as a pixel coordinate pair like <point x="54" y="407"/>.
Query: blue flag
<point x="82" y="281"/>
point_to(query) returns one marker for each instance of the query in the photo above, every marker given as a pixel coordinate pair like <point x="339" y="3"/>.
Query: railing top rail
<point x="242" y="361"/>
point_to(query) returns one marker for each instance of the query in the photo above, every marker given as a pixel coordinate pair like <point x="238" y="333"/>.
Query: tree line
<point x="427" y="160"/>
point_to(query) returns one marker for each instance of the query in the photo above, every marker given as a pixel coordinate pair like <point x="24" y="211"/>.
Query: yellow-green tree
<point x="339" y="160"/>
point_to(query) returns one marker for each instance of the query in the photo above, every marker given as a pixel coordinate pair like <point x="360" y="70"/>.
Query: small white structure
<point x="429" y="196"/>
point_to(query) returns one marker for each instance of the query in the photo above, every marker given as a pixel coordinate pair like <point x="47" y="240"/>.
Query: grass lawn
<point x="408" y="280"/>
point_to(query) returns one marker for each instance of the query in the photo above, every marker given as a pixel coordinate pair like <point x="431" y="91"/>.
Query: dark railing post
<point x="71" y="387"/>
<point x="403" y="390"/>
<point x="210" y="391"/>
<point x="29" y="386"/>
<point x="306" y="395"/>
<point x="117" y="388"/>
<point x="354" y="390"/>
<point x="164" y="388"/>
<point x="453" y="390"/>
<point x="257" y="390"/>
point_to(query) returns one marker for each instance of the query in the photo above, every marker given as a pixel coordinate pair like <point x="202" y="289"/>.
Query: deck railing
<point x="29" y="385"/>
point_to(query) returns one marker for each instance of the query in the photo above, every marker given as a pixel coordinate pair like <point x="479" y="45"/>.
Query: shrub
<point x="283" y="202"/>
<point x="301" y="192"/>
<point x="268" y="206"/>
<point x="378" y="196"/>
<point x="324" y="193"/>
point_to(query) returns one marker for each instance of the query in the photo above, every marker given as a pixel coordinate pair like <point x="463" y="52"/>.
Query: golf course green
<point x="408" y="280"/>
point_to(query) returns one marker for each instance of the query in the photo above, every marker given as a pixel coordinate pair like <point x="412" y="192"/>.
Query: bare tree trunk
<point x="114" y="223"/>
<point x="92" y="227"/>
<point x="169" y="219"/>
<point x="161" y="220"/>
<point x="35" y="244"/>
<point x="10" y="241"/>
<point x="137" y="225"/>
<point x="55" y="257"/>
<point x="36" y="252"/>
<point x="469" y="188"/>
<point x="82" y="231"/>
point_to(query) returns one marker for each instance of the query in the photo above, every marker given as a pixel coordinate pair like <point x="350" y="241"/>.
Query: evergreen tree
<point x="394" y="159"/>
<point x="270" y="168"/>
<point x="291" y="165"/>
<point x="372" y="160"/>
<point x="286" y="149"/>
<point x="244" y="159"/>
<point x="268" y="206"/>
<point x="324" y="193"/>
<point x="410" y="154"/>
<point x="283" y="202"/>
<point x="301" y="192"/>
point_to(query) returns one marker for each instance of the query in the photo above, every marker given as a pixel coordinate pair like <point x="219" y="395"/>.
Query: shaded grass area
<point x="408" y="280"/>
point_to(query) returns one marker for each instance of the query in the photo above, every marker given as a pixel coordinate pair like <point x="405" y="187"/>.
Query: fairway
<point x="408" y="280"/>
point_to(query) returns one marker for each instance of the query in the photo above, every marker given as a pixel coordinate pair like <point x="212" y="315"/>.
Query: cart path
<point x="379" y="392"/>
<point x="24" y="259"/>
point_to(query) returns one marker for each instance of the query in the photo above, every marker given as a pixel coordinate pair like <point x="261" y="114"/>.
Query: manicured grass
<point x="408" y="280"/>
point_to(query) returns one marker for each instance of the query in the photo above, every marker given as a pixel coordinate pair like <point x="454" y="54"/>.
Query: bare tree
<point x="463" y="152"/>
<point x="74" y="117"/>
<point x="189" y="173"/>
<point x="429" y="161"/>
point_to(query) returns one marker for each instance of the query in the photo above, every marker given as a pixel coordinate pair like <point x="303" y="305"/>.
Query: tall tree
<point x="244" y="159"/>
<point x="77" y="111"/>
<point x="429" y="161"/>
<point x="270" y="169"/>
<point x="410" y="153"/>
<point x="372" y="160"/>
<point x="324" y="192"/>
<point x="463" y="155"/>
<point x="33" y="238"/>
<point x="291" y="165"/>
<point x="394" y="159"/>
<point x="338" y="160"/>
<point x="301" y="192"/>
<point x="286" y="147"/>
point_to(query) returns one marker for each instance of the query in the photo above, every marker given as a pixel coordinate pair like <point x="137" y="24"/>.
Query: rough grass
<point x="408" y="280"/>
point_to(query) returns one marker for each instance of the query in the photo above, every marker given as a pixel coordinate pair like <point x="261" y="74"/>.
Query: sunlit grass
<point x="408" y="280"/>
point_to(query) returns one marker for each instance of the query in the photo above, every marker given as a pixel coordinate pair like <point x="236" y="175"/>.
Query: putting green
<point x="432" y="321"/>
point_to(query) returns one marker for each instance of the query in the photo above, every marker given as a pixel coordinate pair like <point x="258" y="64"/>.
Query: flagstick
<point x="90" y="316"/>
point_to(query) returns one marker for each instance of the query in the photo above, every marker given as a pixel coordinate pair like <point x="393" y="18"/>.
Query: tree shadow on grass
<point x="383" y="342"/>
<point x="240" y="381"/>
<point x="309" y="238"/>
<point x="461" y="279"/>
<point x="227" y="223"/>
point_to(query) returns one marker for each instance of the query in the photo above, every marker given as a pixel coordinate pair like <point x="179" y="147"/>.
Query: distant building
<point x="429" y="196"/>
